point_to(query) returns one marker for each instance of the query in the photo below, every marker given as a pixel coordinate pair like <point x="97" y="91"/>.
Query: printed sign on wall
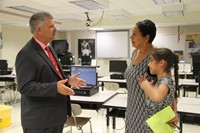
<point x="192" y="43"/>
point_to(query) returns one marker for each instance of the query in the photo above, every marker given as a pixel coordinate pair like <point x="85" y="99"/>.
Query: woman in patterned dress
<point x="161" y="94"/>
<point x="143" y="34"/>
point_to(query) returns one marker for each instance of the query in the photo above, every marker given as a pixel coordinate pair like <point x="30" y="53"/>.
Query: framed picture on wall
<point x="86" y="47"/>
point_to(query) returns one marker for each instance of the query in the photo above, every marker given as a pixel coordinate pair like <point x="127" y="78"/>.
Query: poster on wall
<point x="86" y="47"/>
<point x="192" y="43"/>
<point x="1" y="40"/>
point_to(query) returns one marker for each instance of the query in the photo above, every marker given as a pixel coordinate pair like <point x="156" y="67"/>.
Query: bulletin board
<point x="192" y="43"/>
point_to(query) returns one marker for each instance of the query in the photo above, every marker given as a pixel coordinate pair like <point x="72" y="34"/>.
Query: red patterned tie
<point x="53" y="61"/>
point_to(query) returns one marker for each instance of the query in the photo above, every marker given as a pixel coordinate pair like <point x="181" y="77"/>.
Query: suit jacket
<point x="41" y="105"/>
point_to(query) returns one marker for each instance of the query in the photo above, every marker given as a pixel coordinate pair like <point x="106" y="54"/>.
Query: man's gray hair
<point x="37" y="19"/>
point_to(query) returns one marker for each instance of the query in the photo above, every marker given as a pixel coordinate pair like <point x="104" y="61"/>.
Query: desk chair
<point x="111" y="86"/>
<point x="12" y="87"/>
<point x="5" y="88"/>
<point x="2" y="90"/>
<point x="114" y="87"/>
<point x="189" y="88"/>
<point x="16" y="91"/>
<point x="77" y="121"/>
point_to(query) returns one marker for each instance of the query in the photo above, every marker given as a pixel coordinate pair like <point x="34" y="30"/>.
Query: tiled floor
<point x="98" y="123"/>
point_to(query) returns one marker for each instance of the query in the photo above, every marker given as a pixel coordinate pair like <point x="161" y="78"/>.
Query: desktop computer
<point x="86" y="92"/>
<point x="89" y="74"/>
<point x="117" y="67"/>
<point x="117" y="76"/>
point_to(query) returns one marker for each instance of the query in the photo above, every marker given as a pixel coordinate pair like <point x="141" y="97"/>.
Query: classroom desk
<point x="8" y="77"/>
<point x="107" y="79"/>
<point x="186" y="106"/>
<point x="116" y="107"/>
<point x="93" y="102"/>
<point x="187" y="82"/>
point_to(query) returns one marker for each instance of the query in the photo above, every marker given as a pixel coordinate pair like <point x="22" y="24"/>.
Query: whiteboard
<point x="112" y="44"/>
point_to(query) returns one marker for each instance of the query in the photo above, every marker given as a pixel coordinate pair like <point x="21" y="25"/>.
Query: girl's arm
<point x="175" y="120"/>
<point x="156" y="94"/>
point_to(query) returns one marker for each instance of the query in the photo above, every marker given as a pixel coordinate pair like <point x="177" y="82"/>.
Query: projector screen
<point x="112" y="44"/>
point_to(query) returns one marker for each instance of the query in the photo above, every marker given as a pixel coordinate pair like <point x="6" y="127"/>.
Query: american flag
<point x="178" y="35"/>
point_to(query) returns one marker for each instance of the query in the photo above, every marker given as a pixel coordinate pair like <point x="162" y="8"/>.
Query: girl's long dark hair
<point x="172" y="61"/>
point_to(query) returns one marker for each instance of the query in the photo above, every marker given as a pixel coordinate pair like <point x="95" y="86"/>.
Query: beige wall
<point x="0" y="49"/>
<point x="73" y="41"/>
<point x="15" y="38"/>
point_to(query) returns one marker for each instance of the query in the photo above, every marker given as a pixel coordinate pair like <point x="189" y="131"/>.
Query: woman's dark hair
<point x="172" y="61"/>
<point x="147" y="27"/>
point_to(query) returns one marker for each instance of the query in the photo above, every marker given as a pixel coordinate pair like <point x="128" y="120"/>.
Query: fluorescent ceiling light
<point x="25" y="8"/>
<point x="93" y="28"/>
<point x="71" y="17"/>
<point x="173" y="13"/>
<point x="91" y="4"/>
<point x="161" y="2"/>
<point x="173" y="10"/>
<point x="118" y="14"/>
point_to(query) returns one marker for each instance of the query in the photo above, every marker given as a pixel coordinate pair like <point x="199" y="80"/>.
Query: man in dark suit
<point x="45" y="101"/>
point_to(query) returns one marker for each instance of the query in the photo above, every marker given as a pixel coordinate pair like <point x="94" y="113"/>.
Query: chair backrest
<point x="111" y="86"/>
<point x="76" y="109"/>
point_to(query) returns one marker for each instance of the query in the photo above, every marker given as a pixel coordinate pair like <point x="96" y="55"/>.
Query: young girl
<point x="162" y="93"/>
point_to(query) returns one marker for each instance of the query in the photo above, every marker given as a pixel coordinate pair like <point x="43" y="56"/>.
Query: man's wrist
<point x="67" y="83"/>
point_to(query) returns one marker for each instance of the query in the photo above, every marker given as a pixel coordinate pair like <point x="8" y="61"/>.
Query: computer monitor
<point x="196" y="64"/>
<point x="3" y="67"/>
<point x="88" y="73"/>
<point x="117" y="66"/>
<point x="60" y="46"/>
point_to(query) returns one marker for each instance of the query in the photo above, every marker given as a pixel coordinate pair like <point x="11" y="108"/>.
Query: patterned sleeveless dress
<point x="136" y="113"/>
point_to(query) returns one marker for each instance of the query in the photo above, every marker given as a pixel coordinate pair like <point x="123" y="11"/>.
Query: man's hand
<point x="76" y="82"/>
<point x="63" y="89"/>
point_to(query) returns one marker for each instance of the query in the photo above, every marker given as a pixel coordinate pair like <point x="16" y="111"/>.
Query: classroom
<point x="94" y="37"/>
